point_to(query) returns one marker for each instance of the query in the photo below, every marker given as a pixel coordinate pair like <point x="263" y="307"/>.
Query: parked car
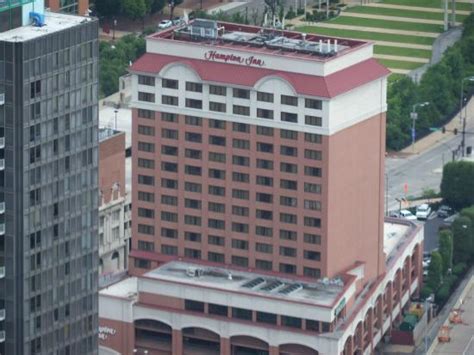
<point x="407" y="215"/>
<point x="165" y="24"/>
<point x="177" y="21"/>
<point x="423" y="211"/>
<point x="444" y="211"/>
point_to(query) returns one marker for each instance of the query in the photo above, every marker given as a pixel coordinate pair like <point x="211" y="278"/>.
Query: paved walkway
<point x="376" y="29"/>
<point x="399" y="71"/>
<point x="402" y="59"/>
<point x="438" y="137"/>
<point x="404" y="45"/>
<point x="416" y="8"/>
<point x="393" y="18"/>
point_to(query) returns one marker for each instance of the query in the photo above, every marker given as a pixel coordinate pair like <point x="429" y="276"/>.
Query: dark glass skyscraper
<point x="48" y="181"/>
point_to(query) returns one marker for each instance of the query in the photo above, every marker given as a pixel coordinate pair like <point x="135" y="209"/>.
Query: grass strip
<point x="395" y="25"/>
<point x="437" y="4"/>
<point x="397" y="64"/>
<point x="374" y="36"/>
<point x="401" y="13"/>
<point x="403" y="52"/>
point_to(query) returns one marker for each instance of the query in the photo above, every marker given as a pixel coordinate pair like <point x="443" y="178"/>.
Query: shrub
<point x="426" y="291"/>
<point x="443" y="294"/>
<point x="459" y="268"/>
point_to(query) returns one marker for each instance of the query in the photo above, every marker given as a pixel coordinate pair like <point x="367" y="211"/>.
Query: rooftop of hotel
<point x="53" y="22"/>
<point x="259" y="39"/>
<point x="396" y="233"/>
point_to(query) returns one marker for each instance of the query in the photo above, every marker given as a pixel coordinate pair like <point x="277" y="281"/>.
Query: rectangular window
<point x="240" y="244"/>
<point x="240" y="211"/>
<point x="194" y="204"/>
<point x="146" y="147"/>
<point x="289" y="100"/>
<point x="292" y="322"/>
<point x="313" y="104"/>
<point x="216" y="240"/>
<point x="288" y="235"/>
<point x="146" y="114"/>
<point x="312" y="238"/>
<point x="265" y="164"/>
<point x="289" y="184"/>
<point x="194" y="87"/>
<point x="169" y="117"/>
<point x="290" y="252"/>
<point x="312" y="171"/>
<point x="264" y="248"/>
<point x="263" y="264"/>
<point x="192" y="153"/>
<point x="146" y="96"/>
<point x="217" y="258"/>
<point x="169" y="233"/>
<point x="240" y="127"/>
<point x="217" y="90"/>
<point x="169" y="200"/>
<point x="146" y="196"/>
<point x="241" y="313"/>
<point x="193" y="137"/>
<point x="192" y="220"/>
<point x="217" y="174"/>
<point x="192" y="187"/>
<point x="241" y="93"/>
<point x="265" y="198"/>
<point x="146" y="229"/>
<point x="192" y="170"/>
<point x="265" y="131"/>
<point x="312" y="188"/>
<point x="217" y="106"/>
<point x="217" y="140"/>
<point x="169" y="183"/>
<point x="289" y="117"/>
<point x="170" y="167"/>
<point x="240" y="227"/>
<point x="264" y="180"/>
<point x="169" y="150"/>
<point x="146" y="80"/>
<point x="215" y="223"/>
<point x="193" y="103"/>
<point x="146" y="180"/>
<point x="264" y="231"/>
<point x="169" y="249"/>
<point x="146" y="163"/>
<point x="217" y="124"/>
<point x="192" y="253"/>
<point x="264" y="113"/>
<point x="240" y="261"/>
<point x="288" y="218"/>
<point x="313" y="121"/>
<point x="169" y="100"/>
<point x="217" y="309"/>
<point x="314" y="273"/>
<point x="169" y="83"/>
<point x="240" y="194"/>
<point x="312" y="222"/>
<point x="217" y="157"/>
<point x="240" y="177"/>
<point x="268" y="318"/>
<point x="193" y="120"/>
<point x="288" y="201"/>
<point x="146" y="212"/>
<point x="286" y="134"/>
<point x="312" y="255"/>
<point x="216" y="190"/>
<point x="169" y="216"/>
<point x="169" y="133"/>
<point x="240" y="160"/>
<point x="289" y="168"/>
<point x="146" y="130"/>
<point x="313" y="138"/>
<point x="194" y="306"/>
<point x="142" y="263"/>
<point x="313" y="154"/>
<point x="288" y="268"/>
<point x="264" y="96"/>
<point x="264" y="147"/>
<point x="241" y="143"/>
<point x="216" y="207"/>
<point x="312" y="205"/>
<point x="241" y="110"/>
<point x="192" y="236"/>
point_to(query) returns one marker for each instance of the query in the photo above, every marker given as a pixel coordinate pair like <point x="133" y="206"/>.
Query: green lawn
<point x="396" y="25"/>
<point x="401" y="13"/>
<point x="404" y="52"/>
<point x="396" y="64"/>
<point x="429" y="3"/>
<point x="366" y="35"/>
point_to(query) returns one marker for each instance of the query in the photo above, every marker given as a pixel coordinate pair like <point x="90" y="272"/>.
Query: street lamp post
<point x="463" y="120"/>
<point x="414" y="117"/>
<point x="115" y="25"/>
<point x="115" y="112"/>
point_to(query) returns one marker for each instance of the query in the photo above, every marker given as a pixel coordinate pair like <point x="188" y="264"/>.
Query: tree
<point x="457" y="184"/>
<point x="446" y="249"/>
<point x="272" y="6"/>
<point x="462" y="240"/>
<point x="435" y="271"/>
<point x="106" y="7"/>
<point x="134" y="9"/>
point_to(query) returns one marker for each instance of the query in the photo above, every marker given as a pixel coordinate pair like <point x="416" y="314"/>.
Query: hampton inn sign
<point x="232" y="58"/>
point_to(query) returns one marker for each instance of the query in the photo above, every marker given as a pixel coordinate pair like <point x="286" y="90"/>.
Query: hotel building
<point x="258" y="182"/>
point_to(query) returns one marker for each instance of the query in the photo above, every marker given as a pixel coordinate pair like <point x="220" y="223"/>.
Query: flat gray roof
<point x="54" y="22"/>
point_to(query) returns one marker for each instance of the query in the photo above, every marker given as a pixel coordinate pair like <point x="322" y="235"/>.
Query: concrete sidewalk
<point x="416" y="8"/>
<point x="437" y="138"/>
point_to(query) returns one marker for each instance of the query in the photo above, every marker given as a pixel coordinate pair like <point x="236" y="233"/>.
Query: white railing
<point x="2" y="207"/>
<point x="2" y="272"/>
<point x="2" y="336"/>
<point x="2" y="164"/>
<point x="2" y="142"/>
<point x="2" y="314"/>
<point x="2" y="228"/>
<point x="2" y="99"/>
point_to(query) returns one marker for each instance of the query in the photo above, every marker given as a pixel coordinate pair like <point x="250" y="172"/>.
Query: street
<point x="424" y="170"/>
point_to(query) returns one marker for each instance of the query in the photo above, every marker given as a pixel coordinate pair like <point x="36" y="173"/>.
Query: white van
<point x="423" y="211"/>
